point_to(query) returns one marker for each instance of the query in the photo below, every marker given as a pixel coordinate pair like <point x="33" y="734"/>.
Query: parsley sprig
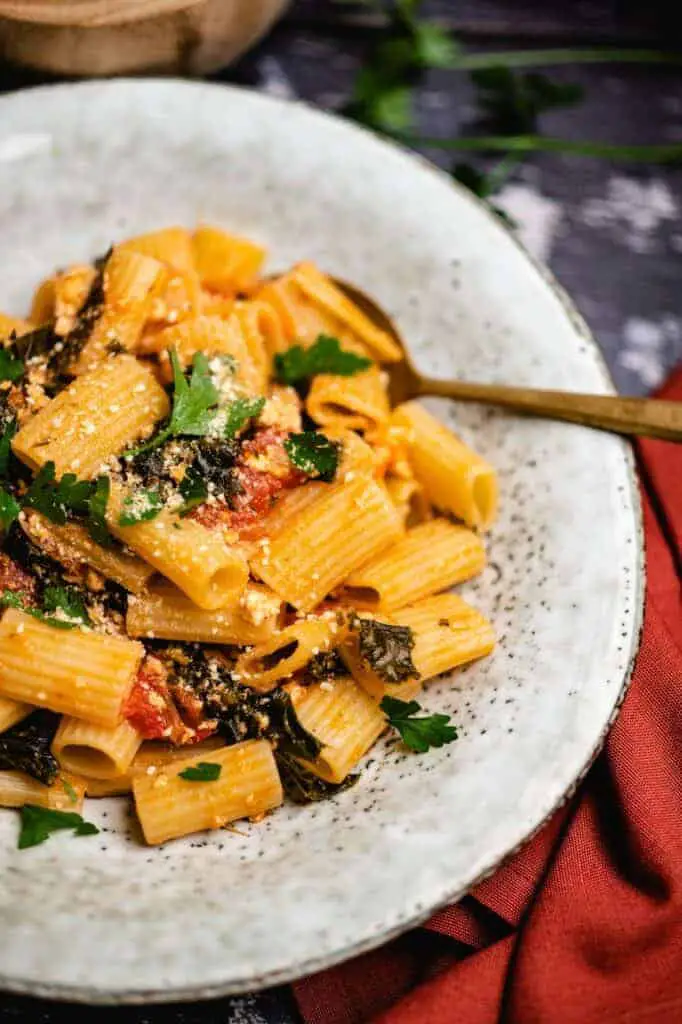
<point x="56" y="601"/>
<point x="57" y="500"/>
<point x="38" y="824"/>
<point x="325" y="355"/>
<point x="205" y="771"/>
<point x="194" y="403"/>
<point x="313" y="453"/>
<point x="419" y="733"/>
<point x="11" y="368"/>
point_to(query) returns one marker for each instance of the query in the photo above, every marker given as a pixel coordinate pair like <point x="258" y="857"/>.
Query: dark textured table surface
<point x="611" y="232"/>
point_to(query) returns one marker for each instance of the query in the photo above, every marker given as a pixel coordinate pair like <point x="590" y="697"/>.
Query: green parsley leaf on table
<point x="140" y="507"/>
<point x="38" y="824"/>
<point x="10" y="368"/>
<point x="205" y="771"/>
<point x="194" y="403"/>
<point x="239" y="412"/>
<point x="325" y="355"/>
<point x="55" y="500"/>
<point x="9" y="509"/>
<point x="417" y="733"/>
<point x="314" y="454"/>
<point x="193" y="490"/>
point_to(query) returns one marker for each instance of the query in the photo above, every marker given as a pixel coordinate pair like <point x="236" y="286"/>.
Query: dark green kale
<point x="26" y="747"/>
<point x="62" y="356"/>
<point x="387" y="649"/>
<point x="302" y="786"/>
<point x="242" y="713"/>
<point x="325" y="665"/>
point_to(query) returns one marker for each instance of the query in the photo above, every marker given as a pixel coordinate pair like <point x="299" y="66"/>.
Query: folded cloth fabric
<point x="584" y="925"/>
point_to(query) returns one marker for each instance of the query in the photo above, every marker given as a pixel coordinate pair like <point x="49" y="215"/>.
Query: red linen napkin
<point x="584" y="925"/>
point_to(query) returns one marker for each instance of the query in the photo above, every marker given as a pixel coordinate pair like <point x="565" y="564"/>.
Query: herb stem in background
<point x="496" y="177"/>
<point x="657" y="154"/>
<point x="544" y="58"/>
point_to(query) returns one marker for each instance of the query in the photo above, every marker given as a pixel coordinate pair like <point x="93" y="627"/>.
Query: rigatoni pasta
<point x="225" y="560"/>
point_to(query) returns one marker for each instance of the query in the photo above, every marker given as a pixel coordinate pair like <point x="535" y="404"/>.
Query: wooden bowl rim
<point x="91" y="13"/>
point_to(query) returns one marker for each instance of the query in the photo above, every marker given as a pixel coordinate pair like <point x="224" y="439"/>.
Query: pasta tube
<point x="199" y="561"/>
<point x="95" y="417"/>
<point x="17" y="789"/>
<point x="87" y="675"/>
<point x="11" y="712"/>
<point x="286" y="651"/>
<point x="431" y="557"/>
<point x="166" y="613"/>
<point x="73" y="546"/>
<point x="318" y="547"/>
<point x="129" y="279"/>
<point x="169" y="806"/>
<point x="101" y="752"/>
<point x="343" y="718"/>
<point x="455" y="478"/>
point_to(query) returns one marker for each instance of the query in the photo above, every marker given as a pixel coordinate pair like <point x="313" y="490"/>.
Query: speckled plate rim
<point x="103" y="996"/>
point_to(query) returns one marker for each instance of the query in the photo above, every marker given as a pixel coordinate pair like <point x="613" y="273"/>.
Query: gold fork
<point x="641" y="417"/>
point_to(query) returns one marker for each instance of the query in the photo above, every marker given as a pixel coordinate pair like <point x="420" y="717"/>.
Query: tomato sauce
<point x="263" y="471"/>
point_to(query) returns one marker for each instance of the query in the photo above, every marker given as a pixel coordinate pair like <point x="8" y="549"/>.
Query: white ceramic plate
<point x="108" y="919"/>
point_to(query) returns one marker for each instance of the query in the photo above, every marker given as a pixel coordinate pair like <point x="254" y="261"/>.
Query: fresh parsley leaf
<point x="9" y="509"/>
<point x="325" y="355"/>
<point x="38" y="824"/>
<point x="70" y="791"/>
<point x="387" y="649"/>
<point x="194" y="491"/>
<point x="314" y="454"/>
<point x="140" y="507"/>
<point x="239" y="412"/>
<point x="193" y="403"/>
<point x="8" y="433"/>
<point x="55" y="500"/>
<point x="97" y="508"/>
<point x="66" y="601"/>
<point x="10" y="368"/>
<point x="205" y="771"/>
<point x="17" y="599"/>
<point x="419" y="734"/>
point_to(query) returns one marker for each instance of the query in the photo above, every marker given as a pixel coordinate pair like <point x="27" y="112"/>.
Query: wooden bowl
<point x="110" y="37"/>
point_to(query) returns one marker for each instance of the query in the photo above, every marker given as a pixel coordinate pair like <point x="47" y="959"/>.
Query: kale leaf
<point x="304" y="787"/>
<point x="26" y="747"/>
<point x="387" y="649"/>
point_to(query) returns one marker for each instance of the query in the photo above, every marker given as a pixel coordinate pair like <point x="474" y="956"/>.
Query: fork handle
<point x="641" y="417"/>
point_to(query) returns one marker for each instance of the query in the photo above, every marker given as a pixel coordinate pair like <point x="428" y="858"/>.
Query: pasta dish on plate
<point x="226" y="560"/>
